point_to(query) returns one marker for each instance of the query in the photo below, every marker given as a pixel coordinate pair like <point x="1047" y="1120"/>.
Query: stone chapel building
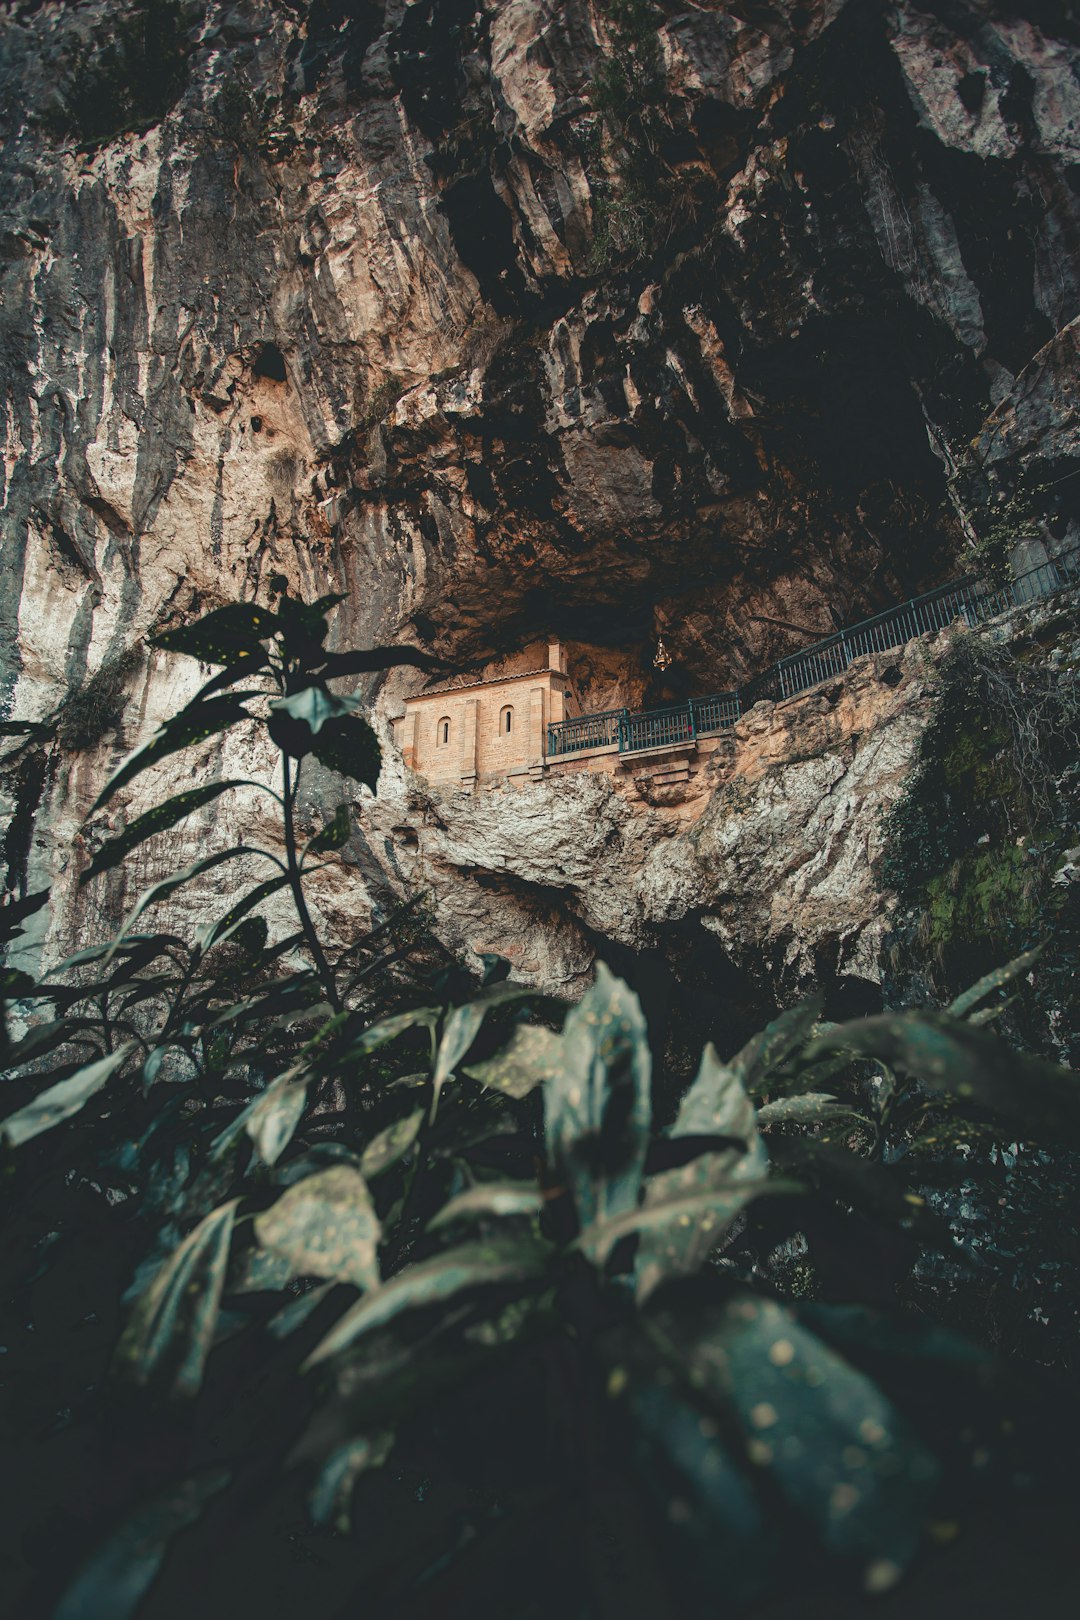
<point x="479" y="730"/>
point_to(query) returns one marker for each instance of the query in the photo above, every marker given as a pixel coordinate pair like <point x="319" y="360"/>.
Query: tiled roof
<point x="491" y="680"/>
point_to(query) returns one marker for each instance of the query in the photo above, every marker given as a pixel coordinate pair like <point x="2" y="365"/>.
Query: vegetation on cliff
<point x="337" y="1261"/>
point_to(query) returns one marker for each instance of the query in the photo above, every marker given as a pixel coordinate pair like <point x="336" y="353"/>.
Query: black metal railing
<point x="584" y="731"/>
<point x="716" y="713"/>
<point x="657" y="728"/>
<point x="969" y="600"/>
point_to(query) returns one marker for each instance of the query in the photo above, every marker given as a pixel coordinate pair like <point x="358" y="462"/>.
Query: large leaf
<point x="952" y="1057"/>
<point x="192" y="725"/>
<point x="459" y="1032"/>
<point x="154" y="821"/>
<point x="366" y="660"/>
<point x="391" y="1144"/>
<point x="59" y="1102"/>
<point x="596" y="1105"/>
<point x="994" y="981"/>
<point x="530" y="1058"/>
<point x="350" y="747"/>
<point x="271" y="1120"/>
<point x="704" y="1195"/>
<point x="115" y="1579"/>
<point x="171" y="1330"/>
<point x="832" y="1442"/>
<point x="326" y="1226"/>
<point x="431" y="1282"/>
<point x="388" y="1029"/>
<point x="297" y="1311"/>
<point x="220" y="637"/>
<point x="765" y="1052"/>
<point x="314" y="705"/>
<point x="699" y="1218"/>
<point x="807" y="1108"/>
<point x="331" y="1495"/>
<point x="727" y="1540"/>
<point x="491" y="1198"/>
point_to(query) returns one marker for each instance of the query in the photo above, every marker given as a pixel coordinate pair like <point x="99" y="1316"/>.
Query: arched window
<point x="442" y="732"/>
<point x="506" y="722"/>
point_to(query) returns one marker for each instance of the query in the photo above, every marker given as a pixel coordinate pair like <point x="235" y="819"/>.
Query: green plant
<point x="433" y="1272"/>
<point x="972" y="844"/>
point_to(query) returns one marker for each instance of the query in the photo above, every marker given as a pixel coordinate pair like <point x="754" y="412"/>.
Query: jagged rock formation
<point x="427" y="303"/>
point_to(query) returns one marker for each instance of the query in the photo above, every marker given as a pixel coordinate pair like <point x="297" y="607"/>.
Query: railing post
<point x="693" y="721"/>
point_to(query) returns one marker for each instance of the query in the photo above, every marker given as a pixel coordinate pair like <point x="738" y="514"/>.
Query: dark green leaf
<point x="115" y="1579"/>
<point x="705" y="1500"/>
<point x="429" y="1282"/>
<point x="224" y="635"/>
<point x="530" y="1058"/>
<point x="702" y="1197"/>
<point x="172" y="1326"/>
<point x="254" y="662"/>
<point x="765" y="1052"/>
<point x="858" y="1328"/>
<point x="154" y="821"/>
<point x="364" y="661"/>
<point x="952" y="1057"/>
<point x="391" y="1144"/>
<point x="350" y="747"/>
<point x="832" y="1442"/>
<point x="59" y="1102"/>
<point x="326" y="1226"/>
<point x="192" y="725"/>
<point x="994" y="981"/>
<point x="459" y="1032"/>
<point x="691" y="1224"/>
<point x="314" y="706"/>
<point x="258" y="1271"/>
<point x="596" y="1106"/>
<point x="808" y="1108"/>
<point x="271" y="1120"/>
<point x="387" y="1029"/>
<point x="331" y="1497"/>
<point x="491" y="1198"/>
<point x="297" y="1311"/>
<point x="42" y="1038"/>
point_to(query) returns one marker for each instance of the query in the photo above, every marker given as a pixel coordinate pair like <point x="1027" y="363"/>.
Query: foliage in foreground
<point x="435" y="1272"/>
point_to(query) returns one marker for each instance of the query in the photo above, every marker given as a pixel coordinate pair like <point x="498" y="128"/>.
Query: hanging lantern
<point x="661" y="658"/>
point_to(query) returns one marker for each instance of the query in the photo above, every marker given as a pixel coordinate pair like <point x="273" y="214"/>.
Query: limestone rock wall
<point x="369" y="297"/>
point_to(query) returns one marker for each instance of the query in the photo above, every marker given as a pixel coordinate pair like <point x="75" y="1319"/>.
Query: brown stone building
<point x="481" y="730"/>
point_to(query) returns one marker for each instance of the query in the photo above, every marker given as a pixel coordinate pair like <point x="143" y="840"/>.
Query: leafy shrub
<point x="972" y="844"/>
<point x="433" y="1269"/>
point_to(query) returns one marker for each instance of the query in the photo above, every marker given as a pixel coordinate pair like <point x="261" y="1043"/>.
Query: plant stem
<point x="322" y="966"/>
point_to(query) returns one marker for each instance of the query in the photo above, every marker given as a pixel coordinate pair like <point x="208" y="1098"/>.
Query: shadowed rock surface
<point x="368" y="295"/>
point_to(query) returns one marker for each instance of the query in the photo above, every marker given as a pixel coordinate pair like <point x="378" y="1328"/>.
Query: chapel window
<point x="443" y="732"/>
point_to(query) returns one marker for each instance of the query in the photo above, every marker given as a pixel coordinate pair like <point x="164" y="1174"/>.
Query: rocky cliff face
<point x="520" y="318"/>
